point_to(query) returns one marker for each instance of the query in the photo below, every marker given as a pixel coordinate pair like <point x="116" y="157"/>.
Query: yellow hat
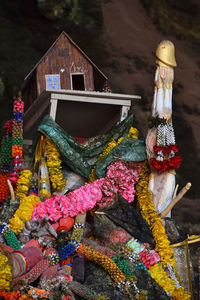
<point x="165" y="52"/>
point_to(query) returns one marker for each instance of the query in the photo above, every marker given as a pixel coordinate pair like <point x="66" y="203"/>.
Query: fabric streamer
<point x="81" y="158"/>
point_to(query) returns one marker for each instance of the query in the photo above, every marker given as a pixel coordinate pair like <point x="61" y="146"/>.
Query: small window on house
<point x="53" y="82"/>
<point x="78" y="82"/>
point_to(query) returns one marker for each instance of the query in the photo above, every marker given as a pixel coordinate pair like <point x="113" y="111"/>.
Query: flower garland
<point x="5" y="160"/>
<point x="133" y="133"/>
<point x="23" y="184"/>
<point x="14" y="296"/>
<point x="168" y="284"/>
<point x="23" y="213"/>
<point x="5" y="273"/>
<point x="148" y="212"/>
<point x="92" y="177"/>
<point x="119" y="270"/>
<point x="123" y="265"/>
<point x="150" y="260"/>
<point x="4" y="189"/>
<point x="161" y="164"/>
<point x="17" y="139"/>
<point x="53" y="164"/>
<point x="27" y="203"/>
<point x="76" y="237"/>
<point x="104" y="261"/>
<point x="6" y="145"/>
<point x="165" y="149"/>
<point x="39" y="293"/>
<point x="120" y="178"/>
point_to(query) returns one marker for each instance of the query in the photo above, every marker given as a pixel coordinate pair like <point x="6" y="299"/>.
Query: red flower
<point x="160" y="148"/>
<point x="160" y="166"/>
<point x="154" y="164"/>
<point x="8" y="126"/>
<point x="173" y="148"/>
<point x="174" y="162"/>
<point x="164" y="166"/>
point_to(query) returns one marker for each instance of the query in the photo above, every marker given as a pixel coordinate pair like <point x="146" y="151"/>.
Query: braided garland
<point x="104" y="261"/>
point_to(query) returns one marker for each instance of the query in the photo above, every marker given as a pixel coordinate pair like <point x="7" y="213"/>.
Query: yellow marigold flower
<point x="180" y="294"/>
<point x="16" y="225"/>
<point x="53" y="164"/>
<point x="45" y="194"/>
<point x="133" y="133"/>
<point x="23" y="183"/>
<point x="23" y="213"/>
<point x="150" y="215"/>
<point x="159" y="275"/>
<point x="5" y="273"/>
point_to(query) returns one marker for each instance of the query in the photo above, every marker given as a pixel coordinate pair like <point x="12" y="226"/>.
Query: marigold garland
<point x="133" y="133"/>
<point x="23" y="213"/>
<point x="168" y="284"/>
<point x="5" y="273"/>
<point x="104" y="261"/>
<point x="148" y="212"/>
<point x="150" y="263"/>
<point x="14" y="296"/>
<point x="23" y="184"/>
<point x="53" y="163"/>
<point x="180" y="294"/>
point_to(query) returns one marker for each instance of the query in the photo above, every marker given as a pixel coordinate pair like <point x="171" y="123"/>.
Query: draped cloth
<point x="81" y="158"/>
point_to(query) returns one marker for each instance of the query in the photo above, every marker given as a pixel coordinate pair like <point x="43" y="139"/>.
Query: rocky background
<point x="121" y="38"/>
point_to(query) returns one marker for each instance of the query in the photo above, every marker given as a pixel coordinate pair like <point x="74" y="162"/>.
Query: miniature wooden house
<point x="64" y="66"/>
<point x="66" y="84"/>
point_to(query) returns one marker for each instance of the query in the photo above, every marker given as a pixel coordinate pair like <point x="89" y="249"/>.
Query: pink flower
<point x="149" y="258"/>
<point x="118" y="236"/>
<point x="39" y="211"/>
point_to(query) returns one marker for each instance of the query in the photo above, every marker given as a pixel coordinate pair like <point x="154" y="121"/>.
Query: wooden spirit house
<point x="66" y="84"/>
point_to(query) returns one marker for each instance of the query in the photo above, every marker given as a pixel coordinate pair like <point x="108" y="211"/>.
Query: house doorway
<point x="78" y="82"/>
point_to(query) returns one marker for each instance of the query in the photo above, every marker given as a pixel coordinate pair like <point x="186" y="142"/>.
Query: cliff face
<point x="121" y="38"/>
<point x="131" y="42"/>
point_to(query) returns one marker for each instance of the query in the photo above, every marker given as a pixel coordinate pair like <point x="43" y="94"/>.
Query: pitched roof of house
<point x="26" y="79"/>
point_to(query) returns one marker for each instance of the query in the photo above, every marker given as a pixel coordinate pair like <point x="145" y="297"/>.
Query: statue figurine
<point x="161" y="147"/>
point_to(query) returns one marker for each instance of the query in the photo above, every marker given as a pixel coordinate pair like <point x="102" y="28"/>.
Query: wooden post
<point x="53" y="108"/>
